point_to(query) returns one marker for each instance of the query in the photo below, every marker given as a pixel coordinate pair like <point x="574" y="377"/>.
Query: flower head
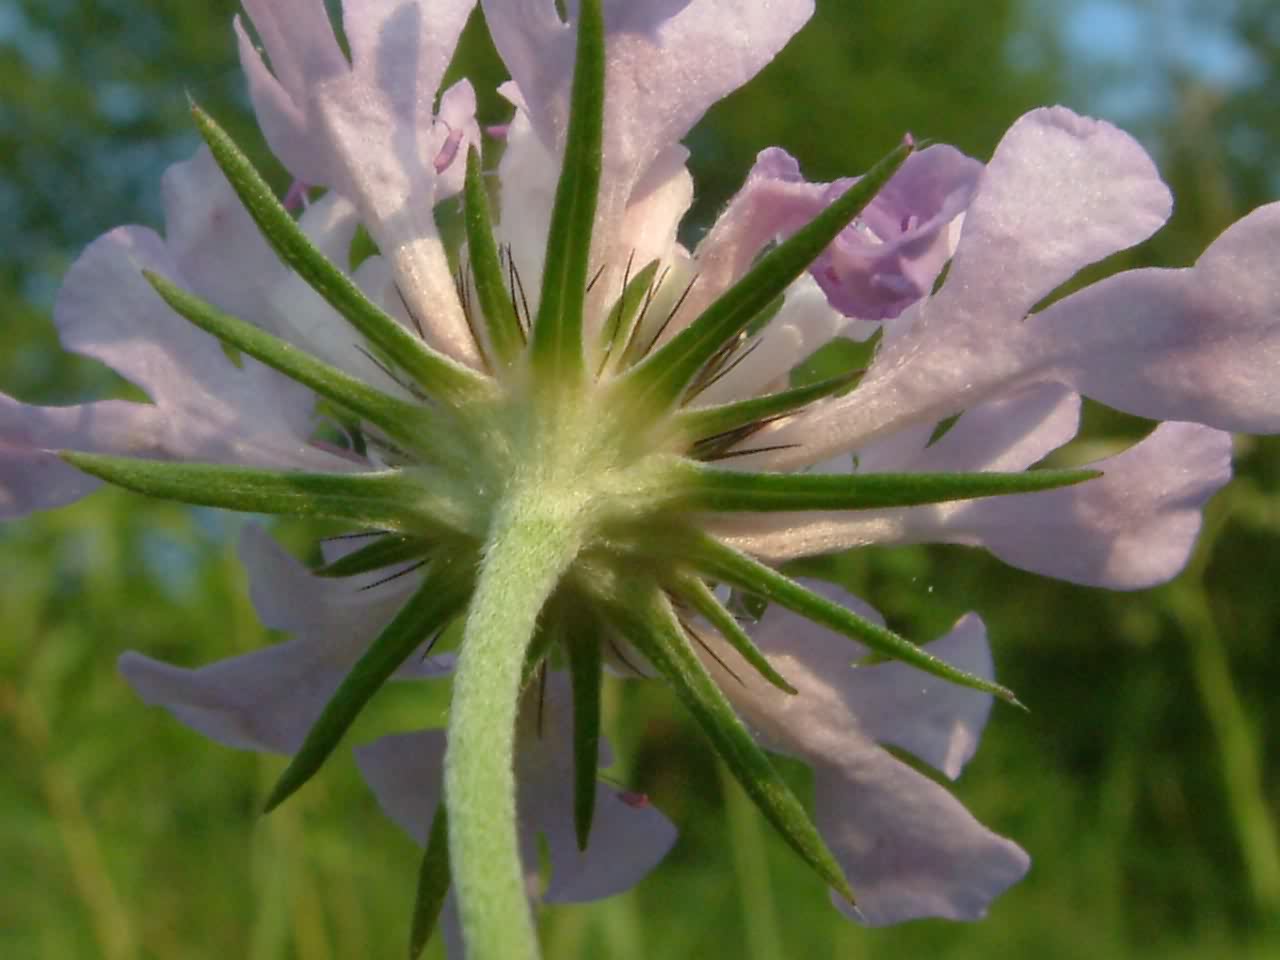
<point x="567" y="430"/>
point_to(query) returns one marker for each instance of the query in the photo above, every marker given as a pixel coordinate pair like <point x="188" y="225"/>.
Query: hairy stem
<point x="531" y="545"/>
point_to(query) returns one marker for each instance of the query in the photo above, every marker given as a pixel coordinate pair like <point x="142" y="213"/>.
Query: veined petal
<point x="1060" y="193"/>
<point x="907" y="846"/>
<point x="34" y="477"/>
<point x="666" y="64"/>
<point x="877" y="266"/>
<point x="269" y="699"/>
<point x="1198" y="344"/>
<point x="628" y="838"/>
<point x="368" y="130"/>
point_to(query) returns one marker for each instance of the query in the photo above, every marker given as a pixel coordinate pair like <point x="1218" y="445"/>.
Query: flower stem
<point x="529" y="549"/>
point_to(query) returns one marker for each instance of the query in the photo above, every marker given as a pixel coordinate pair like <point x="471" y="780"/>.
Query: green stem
<point x="531" y="545"/>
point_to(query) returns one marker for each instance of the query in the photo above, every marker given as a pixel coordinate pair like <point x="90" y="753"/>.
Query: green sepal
<point x="383" y="552"/>
<point x="556" y="346"/>
<point x="434" y="877"/>
<point x="500" y="321"/>
<point x="710" y="428"/>
<point x="721" y="562"/>
<point x="438" y="375"/>
<point x="650" y="625"/>
<point x="403" y="421"/>
<point x="620" y="328"/>
<point x="384" y="499"/>
<point x="694" y="591"/>
<point x="586" y="670"/>
<point x="727" y="490"/>
<point x="658" y="382"/>
<point x="441" y="596"/>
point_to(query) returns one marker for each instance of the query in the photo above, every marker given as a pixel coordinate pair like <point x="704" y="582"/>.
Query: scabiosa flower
<point x="574" y="435"/>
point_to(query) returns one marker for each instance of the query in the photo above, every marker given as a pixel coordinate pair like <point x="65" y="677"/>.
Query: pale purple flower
<point x="1198" y="347"/>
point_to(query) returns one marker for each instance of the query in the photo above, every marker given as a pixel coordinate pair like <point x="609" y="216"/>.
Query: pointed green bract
<point x="438" y="600"/>
<point x="557" y="346"/>
<point x="383" y="499"/>
<point x="586" y="670"/>
<point x="436" y="374"/>
<point x="500" y="320"/>
<point x="727" y="490"/>
<point x="694" y="591"/>
<point x="620" y="326"/>
<point x="403" y="421"/>
<point x="715" y="559"/>
<point x="658" y="382"/>
<point x="383" y="552"/>
<point x="651" y="627"/>
<point x="433" y="884"/>
<point x="707" y="424"/>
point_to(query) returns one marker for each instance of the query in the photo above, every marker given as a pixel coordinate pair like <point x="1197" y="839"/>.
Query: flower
<point x="569" y="441"/>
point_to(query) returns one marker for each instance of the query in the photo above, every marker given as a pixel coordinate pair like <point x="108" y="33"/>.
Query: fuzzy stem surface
<point x="530" y="547"/>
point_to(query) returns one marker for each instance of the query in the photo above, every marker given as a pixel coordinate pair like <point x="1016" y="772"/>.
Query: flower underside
<point x="555" y="492"/>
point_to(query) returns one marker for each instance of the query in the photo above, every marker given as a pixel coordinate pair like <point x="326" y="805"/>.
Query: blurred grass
<point x="1145" y="781"/>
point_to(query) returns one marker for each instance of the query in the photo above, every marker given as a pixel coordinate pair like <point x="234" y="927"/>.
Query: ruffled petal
<point x="1009" y="434"/>
<point x="629" y="836"/>
<point x="1199" y="344"/>
<point x="1060" y="193"/>
<point x="908" y="848"/>
<point x="879" y="265"/>
<point x="268" y="699"/>
<point x="369" y="131"/>
<point x="204" y="406"/>
<point x="32" y="477"/>
<point x="666" y="64"/>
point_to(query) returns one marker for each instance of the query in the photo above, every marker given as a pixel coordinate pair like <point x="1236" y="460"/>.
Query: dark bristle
<point x="463" y="282"/>
<point x="356" y="536"/>
<point x="417" y="324"/>
<point x="617" y="316"/>
<point x="594" y="277"/>
<point x="727" y="369"/>
<point x="670" y="316"/>
<point x="517" y="286"/>
<point x="711" y="653"/>
<point x="542" y="695"/>
<point x="395" y="576"/>
<point x="730" y="454"/>
<point x="617" y="652"/>
<point x="418" y="394"/>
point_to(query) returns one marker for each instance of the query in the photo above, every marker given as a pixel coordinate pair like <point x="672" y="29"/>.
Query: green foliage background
<point x="1145" y="782"/>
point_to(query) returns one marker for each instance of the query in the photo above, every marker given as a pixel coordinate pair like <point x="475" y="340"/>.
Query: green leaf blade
<point x="698" y="595"/>
<point x="557" y="346"/>
<point x="438" y="600"/>
<point x="716" y="560"/>
<point x="653" y="630"/>
<point x="503" y="326"/>
<point x="400" y="419"/>
<point x="384" y="552"/>
<point x="726" y="490"/>
<point x="437" y="374"/>
<point x="434" y="876"/>
<point x="586" y="669"/>
<point x="383" y="499"/>
<point x="657" y="382"/>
